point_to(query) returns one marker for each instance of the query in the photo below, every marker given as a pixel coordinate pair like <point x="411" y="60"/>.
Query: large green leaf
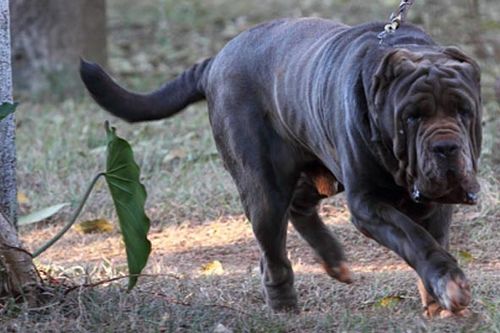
<point x="129" y="195"/>
<point x="6" y="109"/>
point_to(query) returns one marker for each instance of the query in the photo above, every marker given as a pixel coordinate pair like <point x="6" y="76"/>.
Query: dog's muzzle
<point x="450" y="178"/>
<point x="468" y="198"/>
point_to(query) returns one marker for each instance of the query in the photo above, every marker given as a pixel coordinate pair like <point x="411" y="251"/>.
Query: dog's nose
<point x="445" y="148"/>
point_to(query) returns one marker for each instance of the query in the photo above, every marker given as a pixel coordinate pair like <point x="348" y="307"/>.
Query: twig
<point x="98" y="283"/>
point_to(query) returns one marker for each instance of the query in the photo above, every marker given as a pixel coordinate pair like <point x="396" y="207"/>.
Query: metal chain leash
<point x="396" y="19"/>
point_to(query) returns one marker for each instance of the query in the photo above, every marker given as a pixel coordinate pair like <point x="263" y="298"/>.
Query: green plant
<point x="6" y="109"/>
<point x="129" y="195"/>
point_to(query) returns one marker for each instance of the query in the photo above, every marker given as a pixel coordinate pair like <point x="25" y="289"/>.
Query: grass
<point x="195" y="212"/>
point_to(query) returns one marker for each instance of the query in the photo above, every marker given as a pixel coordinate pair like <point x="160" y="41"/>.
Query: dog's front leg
<point x="438" y="270"/>
<point x="437" y="223"/>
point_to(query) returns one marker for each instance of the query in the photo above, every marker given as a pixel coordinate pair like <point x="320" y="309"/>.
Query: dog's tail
<point x="168" y="100"/>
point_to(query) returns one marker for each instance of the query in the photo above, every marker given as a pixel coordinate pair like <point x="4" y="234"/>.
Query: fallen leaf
<point x="175" y="154"/>
<point x="212" y="268"/>
<point x="221" y="329"/>
<point x="94" y="226"/>
<point x="389" y="301"/>
<point x="41" y="214"/>
<point x="98" y="150"/>
<point x="466" y="256"/>
<point x="22" y="198"/>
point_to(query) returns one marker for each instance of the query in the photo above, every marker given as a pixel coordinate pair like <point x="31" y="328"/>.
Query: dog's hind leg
<point x="263" y="168"/>
<point x="305" y="219"/>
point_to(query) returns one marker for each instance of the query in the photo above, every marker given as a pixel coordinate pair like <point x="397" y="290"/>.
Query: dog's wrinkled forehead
<point x="404" y="73"/>
<point x="449" y="65"/>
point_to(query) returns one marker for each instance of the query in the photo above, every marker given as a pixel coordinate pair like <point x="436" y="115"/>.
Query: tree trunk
<point x="8" y="195"/>
<point x="49" y="37"/>
<point x="474" y="8"/>
<point x="18" y="276"/>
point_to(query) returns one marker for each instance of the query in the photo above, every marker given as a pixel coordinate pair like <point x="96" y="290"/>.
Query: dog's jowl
<point x="302" y="109"/>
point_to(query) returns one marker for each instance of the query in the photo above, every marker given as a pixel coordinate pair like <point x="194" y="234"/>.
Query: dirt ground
<point x="215" y="264"/>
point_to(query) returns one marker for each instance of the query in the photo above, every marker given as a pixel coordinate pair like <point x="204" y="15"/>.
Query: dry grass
<point x="195" y="210"/>
<point x="179" y="295"/>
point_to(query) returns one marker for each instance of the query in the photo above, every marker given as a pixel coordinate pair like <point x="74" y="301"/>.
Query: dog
<point x="303" y="109"/>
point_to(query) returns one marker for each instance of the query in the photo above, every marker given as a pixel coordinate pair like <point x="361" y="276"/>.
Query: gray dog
<point x="302" y="109"/>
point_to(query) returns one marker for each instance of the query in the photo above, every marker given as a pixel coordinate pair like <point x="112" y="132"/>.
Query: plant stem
<point x="73" y="218"/>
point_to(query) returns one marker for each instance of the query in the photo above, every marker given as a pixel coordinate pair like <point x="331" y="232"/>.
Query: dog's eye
<point x="465" y="111"/>
<point x="413" y="118"/>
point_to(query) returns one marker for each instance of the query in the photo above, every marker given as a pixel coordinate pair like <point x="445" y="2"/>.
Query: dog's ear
<point x="395" y="63"/>
<point x="470" y="69"/>
<point x="464" y="63"/>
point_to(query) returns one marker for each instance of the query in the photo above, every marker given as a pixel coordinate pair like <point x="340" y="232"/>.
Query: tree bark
<point x="474" y="8"/>
<point x="18" y="276"/>
<point x="49" y="37"/>
<point x="8" y="193"/>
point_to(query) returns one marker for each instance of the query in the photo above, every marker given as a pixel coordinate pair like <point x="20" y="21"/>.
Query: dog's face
<point x="434" y="101"/>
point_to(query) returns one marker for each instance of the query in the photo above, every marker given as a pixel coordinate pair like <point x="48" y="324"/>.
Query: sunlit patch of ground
<point x="178" y="274"/>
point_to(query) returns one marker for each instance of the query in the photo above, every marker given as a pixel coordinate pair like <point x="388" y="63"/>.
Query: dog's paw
<point x="434" y="310"/>
<point x="281" y="301"/>
<point x="281" y="297"/>
<point x="284" y="307"/>
<point x="341" y="272"/>
<point x="452" y="291"/>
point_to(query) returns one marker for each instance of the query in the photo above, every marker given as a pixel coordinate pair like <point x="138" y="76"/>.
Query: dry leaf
<point x="97" y="226"/>
<point x="212" y="268"/>
<point x="175" y="154"/>
<point x="221" y="329"/>
<point x="22" y="198"/>
<point x="41" y="215"/>
<point x="389" y="301"/>
<point x="466" y="256"/>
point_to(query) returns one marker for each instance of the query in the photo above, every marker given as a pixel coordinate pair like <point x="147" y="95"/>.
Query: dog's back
<point x="253" y="51"/>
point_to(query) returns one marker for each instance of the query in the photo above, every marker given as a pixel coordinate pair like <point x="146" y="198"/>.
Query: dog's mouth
<point x="447" y="178"/>
<point x="457" y="195"/>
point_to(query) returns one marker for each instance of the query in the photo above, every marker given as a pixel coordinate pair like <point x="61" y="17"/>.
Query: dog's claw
<point x="434" y="310"/>
<point x="471" y="198"/>
<point x="416" y="195"/>
<point x="341" y="272"/>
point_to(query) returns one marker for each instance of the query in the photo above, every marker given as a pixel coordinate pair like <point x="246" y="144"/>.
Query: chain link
<point x="396" y="19"/>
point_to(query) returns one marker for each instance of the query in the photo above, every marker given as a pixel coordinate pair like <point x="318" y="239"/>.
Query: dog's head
<point x="427" y="109"/>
